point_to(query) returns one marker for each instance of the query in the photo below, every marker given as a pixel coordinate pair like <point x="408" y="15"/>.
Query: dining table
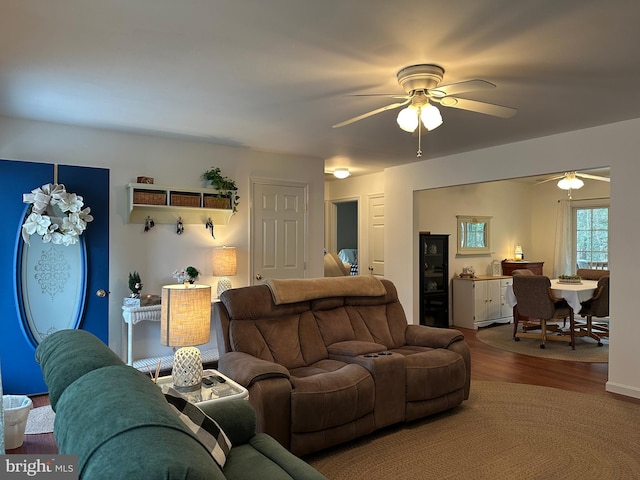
<point x="573" y="293"/>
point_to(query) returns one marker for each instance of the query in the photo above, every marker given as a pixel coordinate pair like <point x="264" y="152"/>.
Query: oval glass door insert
<point x="52" y="284"/>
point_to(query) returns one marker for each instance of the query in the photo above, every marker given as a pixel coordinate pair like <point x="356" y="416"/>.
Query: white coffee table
<point x="217" y="392"/>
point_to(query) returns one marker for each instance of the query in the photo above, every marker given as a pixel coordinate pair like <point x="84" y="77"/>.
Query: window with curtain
<point x="591" y="240"/>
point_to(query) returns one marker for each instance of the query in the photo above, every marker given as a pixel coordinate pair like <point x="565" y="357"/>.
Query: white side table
<point x="133" y="315"/>
<point x="217" y="392"/>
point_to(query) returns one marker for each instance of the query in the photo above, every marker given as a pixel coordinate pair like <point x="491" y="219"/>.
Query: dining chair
<point x="525" y="325"/>
<point x="521" y="271"/>
<point x="591" y="273"/>
<point x="535" y="300"/>
<point x="596" y="306"/>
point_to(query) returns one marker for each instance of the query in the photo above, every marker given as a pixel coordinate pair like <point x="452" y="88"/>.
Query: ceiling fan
<point x="571" y="180"/>
<point x="422" y="86"/>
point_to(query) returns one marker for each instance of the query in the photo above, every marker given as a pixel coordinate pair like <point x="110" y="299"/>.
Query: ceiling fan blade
<point x="371" y="113"/>
<point x="593" y="177"/>
<point x="460" y="87"/>
<point x="476" y="106"/>
<point x="540" y="182"/>
<point x="388" y="95"/>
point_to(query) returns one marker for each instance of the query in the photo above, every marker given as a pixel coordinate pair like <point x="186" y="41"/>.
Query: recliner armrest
<point x="247" y="369"/>
<point x="425" y="336"/>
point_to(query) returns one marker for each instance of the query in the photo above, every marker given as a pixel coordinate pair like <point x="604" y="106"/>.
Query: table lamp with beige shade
<point x="185" y="321"/>
<point x="224" y="265"/>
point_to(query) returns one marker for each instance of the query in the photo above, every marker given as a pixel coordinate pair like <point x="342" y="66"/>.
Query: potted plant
<point x="226" y="187"/>
<point x="192" y="274"/>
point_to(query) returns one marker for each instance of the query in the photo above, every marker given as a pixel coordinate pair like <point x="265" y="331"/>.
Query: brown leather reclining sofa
<point x="330" y="359"/>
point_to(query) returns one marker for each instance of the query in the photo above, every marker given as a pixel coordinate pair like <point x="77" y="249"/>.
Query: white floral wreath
<point x="55" y="214"/>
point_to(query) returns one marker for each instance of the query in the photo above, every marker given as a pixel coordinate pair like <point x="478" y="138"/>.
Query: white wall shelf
<point x="168" y="202"/>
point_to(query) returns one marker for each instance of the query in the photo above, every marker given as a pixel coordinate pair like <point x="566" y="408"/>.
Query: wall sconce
<point x="518" y="253"/>
<point x="224" y="265"/>
<point x="185" y="321"/>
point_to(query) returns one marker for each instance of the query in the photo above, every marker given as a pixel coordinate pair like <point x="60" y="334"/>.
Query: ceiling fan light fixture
<point x="430" y="116"/>
<point x="408" y="119"/>
<point x="570" y="182"/>
<point x="341" y="173"/>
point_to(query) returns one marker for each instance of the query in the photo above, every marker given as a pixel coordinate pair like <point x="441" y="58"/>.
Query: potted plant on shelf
<point x="227" y="188"/>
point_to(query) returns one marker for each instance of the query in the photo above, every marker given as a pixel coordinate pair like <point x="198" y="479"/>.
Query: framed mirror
<point x="474" y="235"/>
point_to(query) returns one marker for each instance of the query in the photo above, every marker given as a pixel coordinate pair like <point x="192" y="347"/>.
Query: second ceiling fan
<point x="572" y="181"/>
<point x="422" y="86"/>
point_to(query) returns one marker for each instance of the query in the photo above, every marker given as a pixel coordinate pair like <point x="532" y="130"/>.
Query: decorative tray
<point x="570" y="281"/>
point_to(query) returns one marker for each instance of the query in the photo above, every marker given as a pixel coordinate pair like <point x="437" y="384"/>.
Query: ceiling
<point x="276" y="75"/>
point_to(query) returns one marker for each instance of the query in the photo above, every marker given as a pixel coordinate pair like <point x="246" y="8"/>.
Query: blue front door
<point x="46" y="287"/>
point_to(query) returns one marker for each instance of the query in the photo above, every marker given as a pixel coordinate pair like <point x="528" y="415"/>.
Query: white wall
<point x="616" y="145"/>
<point x="156" y="254"/>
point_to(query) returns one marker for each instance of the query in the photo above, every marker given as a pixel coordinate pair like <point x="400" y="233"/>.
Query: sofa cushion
<point x="330" y="399"/>
<point x="203" y="426"/>
<point x="432" y="373"/>
<point x="334" y="325"/>
<point x="292" y="341"/>
<point x="264" y="458"/>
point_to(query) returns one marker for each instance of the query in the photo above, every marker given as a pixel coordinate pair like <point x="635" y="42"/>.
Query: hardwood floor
<point x="487" y="363"/>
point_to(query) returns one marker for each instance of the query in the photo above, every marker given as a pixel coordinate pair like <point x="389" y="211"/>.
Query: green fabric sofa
<point x="119" y="424"/>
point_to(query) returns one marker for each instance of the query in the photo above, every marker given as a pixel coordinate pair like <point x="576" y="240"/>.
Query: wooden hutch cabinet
<point x="509" y="266"/>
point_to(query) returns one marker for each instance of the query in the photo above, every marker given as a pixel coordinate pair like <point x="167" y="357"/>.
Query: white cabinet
<point x="478" y="302"/>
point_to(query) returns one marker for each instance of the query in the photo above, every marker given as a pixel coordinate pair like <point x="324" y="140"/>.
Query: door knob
<point x="258" y="276"/>
<point x="102" y="293"/>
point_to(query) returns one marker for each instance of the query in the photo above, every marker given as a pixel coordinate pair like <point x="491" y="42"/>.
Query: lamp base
<point x="223" y="284"/>
<point x="187" y="369"/>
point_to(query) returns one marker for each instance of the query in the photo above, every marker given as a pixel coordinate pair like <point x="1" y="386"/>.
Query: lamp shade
<point x="185" y="318"/>
<point x="224" y="262"/>
<point x="518" y="252"/>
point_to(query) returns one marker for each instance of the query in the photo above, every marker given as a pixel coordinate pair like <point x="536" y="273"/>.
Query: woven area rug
<point x="586" y="350"/>
<point x="40" y="420"/>
<point x="504" y="431"/>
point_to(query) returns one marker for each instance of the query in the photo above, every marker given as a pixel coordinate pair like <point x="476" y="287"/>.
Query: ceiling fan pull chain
<point x="419" y="154"/>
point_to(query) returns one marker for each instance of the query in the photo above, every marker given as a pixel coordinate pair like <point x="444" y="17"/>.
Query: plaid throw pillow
<point x="205" y="428"/>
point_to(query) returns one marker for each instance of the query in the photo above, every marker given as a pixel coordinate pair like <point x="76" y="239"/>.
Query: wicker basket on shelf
<point x="149" y="197"/>
<point x="183" y="199"/>
<point x="213" y="201"/>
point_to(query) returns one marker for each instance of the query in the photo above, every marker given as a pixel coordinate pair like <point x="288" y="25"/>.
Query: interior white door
<point x="376" y="235"/>
<point x="279" y="232"/>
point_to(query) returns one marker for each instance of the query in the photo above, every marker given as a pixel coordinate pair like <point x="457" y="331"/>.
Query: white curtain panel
<point x="562" y="251"/>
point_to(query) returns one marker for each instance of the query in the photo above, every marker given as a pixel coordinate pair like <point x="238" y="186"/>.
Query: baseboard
<point x="625" y="390"/>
